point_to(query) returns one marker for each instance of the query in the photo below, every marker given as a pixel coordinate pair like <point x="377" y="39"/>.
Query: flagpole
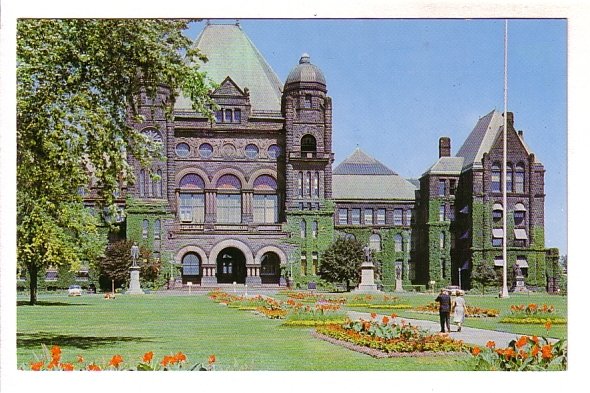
<point x="504" y="293"/>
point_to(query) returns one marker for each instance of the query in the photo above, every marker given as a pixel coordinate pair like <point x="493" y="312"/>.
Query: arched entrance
<point x="231" y="266"/>
<point x="270" y="271"/>
<point x="191" y="268"/>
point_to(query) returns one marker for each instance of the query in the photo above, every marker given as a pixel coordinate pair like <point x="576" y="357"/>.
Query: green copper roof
<point x="231" y="53"/>
<point x="360" y="163"/>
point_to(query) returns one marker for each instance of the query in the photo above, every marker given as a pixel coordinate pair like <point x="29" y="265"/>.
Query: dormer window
<point x="226" y="115"/>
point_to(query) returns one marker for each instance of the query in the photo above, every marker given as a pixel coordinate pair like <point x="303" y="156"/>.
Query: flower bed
<point x="389" y="337"/>
<point x="533" y="314"/>
<point x="533" y="320"/>
<point x="524" y="354"/>
<point x="51" y="360"/>
<point x="311" y="297"/>
<point x="470" y="311"/>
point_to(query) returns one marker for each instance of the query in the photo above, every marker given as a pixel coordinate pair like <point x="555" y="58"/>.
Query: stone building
<point x="251" y="196"/>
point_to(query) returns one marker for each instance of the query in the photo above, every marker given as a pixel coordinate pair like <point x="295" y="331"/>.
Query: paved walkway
<point x="469" y="335"/>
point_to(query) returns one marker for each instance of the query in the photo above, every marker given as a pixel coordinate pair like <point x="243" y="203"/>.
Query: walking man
<point x="444" y="310"/>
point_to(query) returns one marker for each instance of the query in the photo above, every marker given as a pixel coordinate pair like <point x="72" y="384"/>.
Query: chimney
<point x="444" y="147"/>
<point x="521" y="134"/>
<point x="510" y="120"/>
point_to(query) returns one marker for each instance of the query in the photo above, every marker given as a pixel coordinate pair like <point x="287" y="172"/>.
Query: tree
<point x="484" y="275"/>
<point x="78" y="82"/>
<point x="341" y="262"/>
<point x="117" y="260"/>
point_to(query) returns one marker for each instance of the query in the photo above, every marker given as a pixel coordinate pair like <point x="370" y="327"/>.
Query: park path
<point x="469" y="335"/>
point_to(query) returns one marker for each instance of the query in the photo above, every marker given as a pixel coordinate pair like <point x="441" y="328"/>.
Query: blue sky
<point x="399" y="84"/>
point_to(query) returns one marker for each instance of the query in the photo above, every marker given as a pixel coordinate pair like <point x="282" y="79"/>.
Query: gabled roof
<point x="482" y="138"/>
<point x="360" y="163"/>
<point x="446" y="166"/>
<point x="231" y="53"/>
<point x="361" y="177"/>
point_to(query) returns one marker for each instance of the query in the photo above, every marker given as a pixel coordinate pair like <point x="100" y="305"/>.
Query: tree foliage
<point x="117" y="260"/>
<point x="77" y="86"/>
<point x="484" y="276"/>
<point x="341" y="262"/>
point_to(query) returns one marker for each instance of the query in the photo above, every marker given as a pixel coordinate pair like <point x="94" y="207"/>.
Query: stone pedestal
<point x="253" y="281"/>
<point x="519" y="285"/>
<point x="367" y="284"/>
<point x="134" y="286"/>
<point x="399" y="286"/>
<point x="208" y="281"/>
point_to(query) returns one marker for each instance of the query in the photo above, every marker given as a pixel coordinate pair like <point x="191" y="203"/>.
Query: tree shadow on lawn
<point x="35" y="340"/>
<point x="20" y="303"/>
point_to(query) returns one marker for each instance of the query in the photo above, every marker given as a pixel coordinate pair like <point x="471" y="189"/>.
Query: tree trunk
<point x="33" y="272"/>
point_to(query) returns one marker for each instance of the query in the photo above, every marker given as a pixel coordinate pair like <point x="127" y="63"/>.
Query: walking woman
<point x="459" y="310"/>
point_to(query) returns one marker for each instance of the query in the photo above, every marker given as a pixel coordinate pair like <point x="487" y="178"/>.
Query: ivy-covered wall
<point x="137" y="211"/>
<point x="435" y="254"/>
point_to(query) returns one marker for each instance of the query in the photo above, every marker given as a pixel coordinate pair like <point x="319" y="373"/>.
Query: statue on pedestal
<point x="134" y="285"/>
<point x="134" y="254"/>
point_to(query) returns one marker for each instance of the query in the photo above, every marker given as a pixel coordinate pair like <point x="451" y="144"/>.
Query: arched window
<point x="308" y="144"/>
<point x="192" y="199"/>
<point x="519" y="214"/>
<point x="144" y="228"/>
<point x="157" y="229"/>
<point x="191" y="264"/>
<point x="265" y="200"/>
<point x="314" y="229"/>
<point x="375" y="242"/>
<point x="519" y="178"/>
<point x="496" y="177"/>
<point x="497" y="212"/>
<point x="229" y="200"/>
<point x="397" y="243"/>
<point x="303" y="229"/>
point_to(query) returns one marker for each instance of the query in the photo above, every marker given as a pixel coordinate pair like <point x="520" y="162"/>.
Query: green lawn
<point x="488" y="301"/>
<point x="97" y="329"/>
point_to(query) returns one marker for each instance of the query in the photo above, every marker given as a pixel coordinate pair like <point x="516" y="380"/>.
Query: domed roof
<point x="306" y="72"/>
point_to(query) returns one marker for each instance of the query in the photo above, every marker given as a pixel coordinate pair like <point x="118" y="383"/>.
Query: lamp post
<point x="460" y="278"/>
<point x="504" y="293"/>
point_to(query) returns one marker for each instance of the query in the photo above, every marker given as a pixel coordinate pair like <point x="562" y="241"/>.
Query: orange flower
<point x="93" y="367"/>
<point x="522" y="354"/>
<point x="55" y="353"/>
<point x="394" y="315"/>
<point x="37" y="366"/>
<point x="509" y="353"/>
<point x="535" y="350"/>
<point x="548" y="325"/>
<point x="546" y="350"/>
<point x="80" y="359"/>
<point x="475" y="351"/>
<point x="180" y="357"/>
<point x="67" y="367"/>
<point x="54" y="363"/>
<point x="211" y="359"/>
<point x="167" y="360"/>
<point x="535" y="339"/>
<point x="385" y="320"/>
<point x="532" y="306"/>
<point x="148" y="356"/>
<point x="373" y="315"/>
<point x="522" y="341"/>
<point x="116" y="361"/>
<point x="491" y="344"/>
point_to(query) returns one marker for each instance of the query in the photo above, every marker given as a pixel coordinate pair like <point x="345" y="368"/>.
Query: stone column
<point x="134" y="286"/>
<point x="253" y="275"/>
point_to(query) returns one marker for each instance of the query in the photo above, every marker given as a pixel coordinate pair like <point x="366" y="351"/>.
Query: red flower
<point x="67" y="367"/>
<point x="475" y="351"/>
<point x="535" y="350"/>
<point x="509" y="353"/>
<point x="491" y="344"/>
<point x="167" y="360"/>
<point x="211" y="359"/>
<point x="394" y="315"/>
<point x="522" y="341"/>
<point x="93" y="367"/>
<point x="116" y="361"/>
<point x="373" y="315"/>
<point x="536" y="339"/>
<point x="56" y="353"/>
<point x="385" y="320"/>
<point x="54" y="363"/>
<point x="179" y="357"/>
<point x="148" y="356"/>
<point x="546" y="351"/>
<point x="36" y="366"/>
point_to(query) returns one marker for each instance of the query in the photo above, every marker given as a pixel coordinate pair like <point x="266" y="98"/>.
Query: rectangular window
<point x="441" y="187"/>
<point x="192" y="208"/>
<point x="342" y="216"/>
<point x="265" y="209"/>
<point x="519" y="181"/>
<point x="398" y="217"/>
<point x="228" y="115"/>
<point x="441" y="213"/>
<point x="237" y="115"/>
<point x="368" y="217"/>
<point x="408" y="213"/>
<point x="496" y="179"/>
<point x="316" y="184"/>
<point x="303" y="264"/>
<point x="497" y="242"/>
<point x="229" y="208"/>
<point x="452" y="186"/>
<point x="356" y="216"/>
<point x="307" y="101"/>
<point x="380" y="216"/>
<point x="314" y="261"/>
<point x="300" y="184"/>
<point x="308" y="184"/>
<point x="218" y="116"/>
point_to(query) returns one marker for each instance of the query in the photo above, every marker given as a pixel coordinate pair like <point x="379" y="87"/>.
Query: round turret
<point x="307" y="74"/>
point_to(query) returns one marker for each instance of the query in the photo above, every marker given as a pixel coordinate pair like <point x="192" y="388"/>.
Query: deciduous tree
<point x="77" y="86"/>
<point x="341" y="262"/>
